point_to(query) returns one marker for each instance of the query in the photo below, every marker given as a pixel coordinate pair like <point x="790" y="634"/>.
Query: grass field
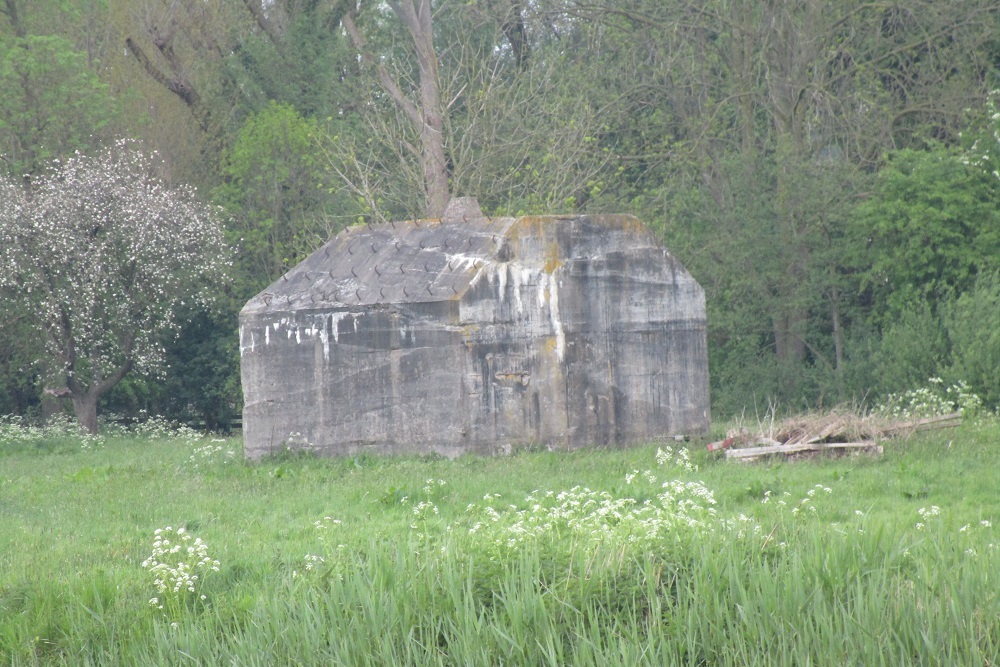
<point x="635" y="557"/>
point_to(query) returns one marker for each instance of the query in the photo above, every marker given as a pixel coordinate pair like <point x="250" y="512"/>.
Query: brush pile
<point x="835" y="432"/>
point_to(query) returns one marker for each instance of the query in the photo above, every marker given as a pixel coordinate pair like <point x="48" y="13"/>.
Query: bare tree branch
<point x="270" y="29"/>
<point x="10" y="9"/>
<point x="385" y="79"/>
<point x="177" y="85"/>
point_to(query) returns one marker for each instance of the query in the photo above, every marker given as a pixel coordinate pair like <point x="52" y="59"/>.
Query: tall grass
<point x="423" y="561"/>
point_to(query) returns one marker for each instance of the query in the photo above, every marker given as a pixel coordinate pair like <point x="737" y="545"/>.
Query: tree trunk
<point x="417" y="20"/>
<point x="838" y="336"/>
<point x="85" y="408"/>
<point x="11" y="11"/>
<point x="434" y="165"/>
<point x="426" y="117"/>
<point x="790" y="315"/>
<point x="788" y="342"/>
<point x="85" y="398"/>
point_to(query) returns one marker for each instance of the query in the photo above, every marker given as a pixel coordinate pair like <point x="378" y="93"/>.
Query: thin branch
<point x="388" y="83"/>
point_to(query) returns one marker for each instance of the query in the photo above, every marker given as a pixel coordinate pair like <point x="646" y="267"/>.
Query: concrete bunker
<point x="476" y="334"/>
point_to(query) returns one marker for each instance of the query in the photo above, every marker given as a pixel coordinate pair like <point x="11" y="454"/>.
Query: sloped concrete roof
<point x="409" y="261"/>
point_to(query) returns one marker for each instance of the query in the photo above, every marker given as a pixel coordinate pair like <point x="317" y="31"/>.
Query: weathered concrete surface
<point x="474" y="334"/>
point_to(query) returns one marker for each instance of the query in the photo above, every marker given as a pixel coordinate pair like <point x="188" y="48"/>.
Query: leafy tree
<point x="972" y="321"/>
<point x="226" y="59"/>
<point x="275" y="191"/>
<point x="200" y="379"/>
<point x="52" y="104"/>
<point x="202" y="383"/>
<point x="956" y="338"/>
<point x="296" y="56"/>
<point x="179" y="46"/>
<point x="931" y="226"/>
<point x="913" y="347"/>
<point x="765" y="120"/>
<point x="101" y="252"/>
<point x="982" y="139"/>
<point x="930" y="235"/>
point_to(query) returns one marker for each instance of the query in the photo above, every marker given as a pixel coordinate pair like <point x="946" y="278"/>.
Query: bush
<point x="972" y="322"/>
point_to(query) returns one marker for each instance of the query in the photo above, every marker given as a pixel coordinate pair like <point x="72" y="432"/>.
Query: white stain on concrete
<point x="548" y="293"/>
<point x="244" y="348"/>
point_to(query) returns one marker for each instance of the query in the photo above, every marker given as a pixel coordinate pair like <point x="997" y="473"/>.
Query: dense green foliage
<point x="830" y="172"/>
<point x="425" y="561"/>
<point x="53" y="104"/>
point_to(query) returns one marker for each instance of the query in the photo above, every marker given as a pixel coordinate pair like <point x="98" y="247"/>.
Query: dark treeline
<point x="829" y="171"/>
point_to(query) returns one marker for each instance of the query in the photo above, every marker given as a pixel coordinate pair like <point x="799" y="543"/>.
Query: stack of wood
<point x="836" y="432"/>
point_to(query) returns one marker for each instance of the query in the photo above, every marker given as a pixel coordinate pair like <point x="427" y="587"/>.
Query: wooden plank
<point x="751" y="452"/>
<point x="754" y="452"/>
<point x="944" y="421"/>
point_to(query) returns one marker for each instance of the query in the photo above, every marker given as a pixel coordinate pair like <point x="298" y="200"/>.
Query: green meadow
<point x="653" y="555"/>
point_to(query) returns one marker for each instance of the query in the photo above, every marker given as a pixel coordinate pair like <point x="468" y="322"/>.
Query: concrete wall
<point x="568" y="332"/>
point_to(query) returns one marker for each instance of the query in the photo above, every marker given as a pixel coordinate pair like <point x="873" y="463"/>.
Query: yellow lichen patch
<point x="552" y="261"/>
<point x="533" y="220"/>
<point x="535" y="224"/>
<point x="627" y="223"/>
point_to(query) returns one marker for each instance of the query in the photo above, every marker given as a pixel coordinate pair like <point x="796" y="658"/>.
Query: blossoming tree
<point x="100" y="251"/>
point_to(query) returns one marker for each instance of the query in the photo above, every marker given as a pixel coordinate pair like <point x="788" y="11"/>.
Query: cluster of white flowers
<point x="325" y="524"/>
<point x="149" y="427"/>
<point x="160" y="428"/>
<point x="598" y="516"/>
<point x="175" y="564"/>
<point x="806" y="504"/>
<point x="742" y="527"/>
<point x="334" y="555"/>
<point x="295" y="442"/>
<point x="975" y="539"/>
<point x="985" y="149"/>
<point x="214" y="453"/>
<point x="679" y="459"/>
<point x="934" y="400"/>
<point x="312" y="561"/>
<point x="666" y="457"/>
<point x="422" y="512"/>
<point x="768" y="496"/>
<point x="645" y="474"/>
<point x="434" y="488"/>
<point x="15" y="430"/>
<point x="927" y="513"/>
